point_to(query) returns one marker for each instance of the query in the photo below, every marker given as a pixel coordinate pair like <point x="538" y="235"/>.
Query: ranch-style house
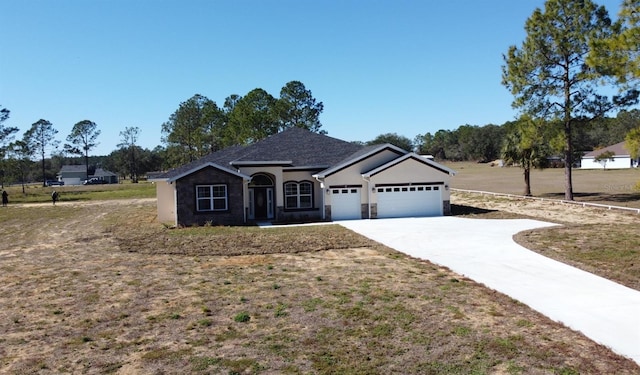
<point x="620" y="159"/>
<point x="297" y="175"/>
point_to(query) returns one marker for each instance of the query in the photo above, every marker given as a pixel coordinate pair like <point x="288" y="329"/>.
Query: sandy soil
<point x="546" y="210"/>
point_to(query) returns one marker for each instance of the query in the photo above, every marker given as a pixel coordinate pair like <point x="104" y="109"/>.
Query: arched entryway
<point x="261" y="197"/>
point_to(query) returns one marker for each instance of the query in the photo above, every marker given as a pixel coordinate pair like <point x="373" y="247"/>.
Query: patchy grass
<point x="240" y="240"/>
<point x="35" y="193"/>
<point x="77" y="297"/>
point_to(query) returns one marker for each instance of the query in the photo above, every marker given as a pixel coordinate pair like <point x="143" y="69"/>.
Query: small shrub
<point x="242" y="317"/>
<point x="280" y="310"/>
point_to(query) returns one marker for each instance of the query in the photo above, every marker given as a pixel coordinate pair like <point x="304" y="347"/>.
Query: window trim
<point x="298" y="195"/>
<point x="212" y="198"/>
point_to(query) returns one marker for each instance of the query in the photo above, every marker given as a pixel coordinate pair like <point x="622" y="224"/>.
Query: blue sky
<point x="407" y="67"/>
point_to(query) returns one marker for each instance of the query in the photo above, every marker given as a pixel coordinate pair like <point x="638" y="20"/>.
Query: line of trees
<point x="37" y="155"/>
<point x="485" y="143"/>
<point x="199" y="126"/>
<point x="195" y="129"/>
<point x="466" y="143"/>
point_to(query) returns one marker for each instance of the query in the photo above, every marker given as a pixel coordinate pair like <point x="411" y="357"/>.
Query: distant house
<point x="297" y="175"/>
<point x="106" y="176"/>
<point x="73" y="174"/>
<point x="77" y="174"/>
<point x="621" y="158"/>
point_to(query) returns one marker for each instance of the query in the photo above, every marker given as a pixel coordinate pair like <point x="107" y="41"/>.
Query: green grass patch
<point x="242" y="317"/>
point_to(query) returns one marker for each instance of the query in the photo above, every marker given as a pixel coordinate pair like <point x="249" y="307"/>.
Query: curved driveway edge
<point x="484" y="251"/>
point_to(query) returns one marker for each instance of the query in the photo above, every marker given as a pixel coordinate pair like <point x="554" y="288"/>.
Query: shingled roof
<point x="73" y="168"/>
<point x="295" y="146"/>
<point x="619" y="149"/>
<point x="301" y="147"/>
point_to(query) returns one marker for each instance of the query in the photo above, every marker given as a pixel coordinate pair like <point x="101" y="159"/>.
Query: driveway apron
<point x="484" y="251"/>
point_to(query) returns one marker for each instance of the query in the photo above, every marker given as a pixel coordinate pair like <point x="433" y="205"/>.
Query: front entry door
<point x="263" y="203"/>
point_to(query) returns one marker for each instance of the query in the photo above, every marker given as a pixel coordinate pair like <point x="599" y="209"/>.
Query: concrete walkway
<point x="484" y="251"/>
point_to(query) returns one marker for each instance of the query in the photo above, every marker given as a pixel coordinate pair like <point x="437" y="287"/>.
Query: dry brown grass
<point x="617" y="187"/>
<point x="609" y="250"/>
<point x="104" y="289"/>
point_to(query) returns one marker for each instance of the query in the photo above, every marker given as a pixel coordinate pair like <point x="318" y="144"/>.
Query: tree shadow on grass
<point x="482" y="213"/>
<point x="461" y="210"/>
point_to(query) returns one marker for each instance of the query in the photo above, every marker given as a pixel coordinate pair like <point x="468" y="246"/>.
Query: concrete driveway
<point x="484" y="251"/>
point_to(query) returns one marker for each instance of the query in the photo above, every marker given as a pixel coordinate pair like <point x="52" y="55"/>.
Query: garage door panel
<point x="345" y="204"/>
<point x="407" y="201"/>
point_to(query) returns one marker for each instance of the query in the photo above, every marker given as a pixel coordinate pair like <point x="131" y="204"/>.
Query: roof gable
<point x="220" y="158"/>
<point x="103" y="173"/>
<point x="358" y="156"/>
<point x="206" y="165"/>
<point x="414" y="156"/>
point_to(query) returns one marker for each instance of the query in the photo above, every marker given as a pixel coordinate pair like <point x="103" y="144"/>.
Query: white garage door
<point x="409" y="201"/>
<point x="345" y="204"/>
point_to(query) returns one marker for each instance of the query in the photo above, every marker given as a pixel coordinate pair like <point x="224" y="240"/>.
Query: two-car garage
<point x="408" y="201"/>
<point x="392" y="201"/>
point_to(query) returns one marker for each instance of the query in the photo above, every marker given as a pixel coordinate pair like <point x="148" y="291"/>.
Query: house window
<point x="211" y="197"/>
<point x="298" y="195"/>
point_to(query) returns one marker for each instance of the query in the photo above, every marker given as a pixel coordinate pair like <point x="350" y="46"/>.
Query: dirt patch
<point x="546" y="210"/>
